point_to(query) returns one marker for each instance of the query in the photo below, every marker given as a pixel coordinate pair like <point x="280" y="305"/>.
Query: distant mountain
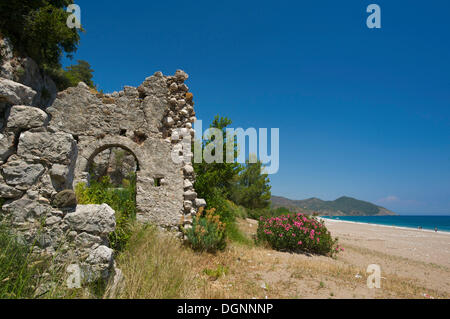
<point x="343" y="206"/>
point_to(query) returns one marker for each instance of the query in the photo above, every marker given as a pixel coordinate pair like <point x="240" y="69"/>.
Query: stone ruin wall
<point x="43" y="155"/>
<point x="149" y="122"/>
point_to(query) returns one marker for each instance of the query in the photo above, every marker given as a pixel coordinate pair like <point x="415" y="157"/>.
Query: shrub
<point x="214" y="274"/>
<point x="207" y="232"/>
<point x="122" y="200"/>
<point x="297" y="232"/>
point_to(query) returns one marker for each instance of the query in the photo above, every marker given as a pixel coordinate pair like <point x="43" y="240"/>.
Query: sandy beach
<point x="414" y="264"/>
<point x="423" y="256"/>
<point x="418" y="245"/>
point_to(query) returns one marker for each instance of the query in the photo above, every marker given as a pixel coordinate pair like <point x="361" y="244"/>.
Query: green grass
<point x="233" y="232"/>
<point x="235" y="235"/>
<point x="216" y="273"/>
<point x="17" y="274"/>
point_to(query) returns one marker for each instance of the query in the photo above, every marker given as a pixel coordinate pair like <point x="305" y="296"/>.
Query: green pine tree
<point x="80" y="72"/>
<point x="252" y="189"/>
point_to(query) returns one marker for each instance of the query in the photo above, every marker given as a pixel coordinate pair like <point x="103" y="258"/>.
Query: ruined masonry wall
<point x="150" y="122"/>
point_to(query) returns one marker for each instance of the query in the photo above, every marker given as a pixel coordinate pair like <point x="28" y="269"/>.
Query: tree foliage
<point x="217" y="183"/>
<point x="80" y="72"/>
<point x="252" y="189"/>
<point x="37" y="28"/>
<point x="214" y="181"/>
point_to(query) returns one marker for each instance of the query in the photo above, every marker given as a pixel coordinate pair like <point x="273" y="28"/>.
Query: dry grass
<point x="154" y="266"/>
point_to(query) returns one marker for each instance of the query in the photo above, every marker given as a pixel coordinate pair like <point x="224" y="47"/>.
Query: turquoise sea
<point x="426" y="222"/>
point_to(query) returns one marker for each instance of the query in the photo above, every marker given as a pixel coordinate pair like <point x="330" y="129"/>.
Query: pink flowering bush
<point x="297" y="232"/>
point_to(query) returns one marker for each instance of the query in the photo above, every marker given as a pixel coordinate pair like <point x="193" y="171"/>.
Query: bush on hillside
<point x="298" y="233"/>
<point x="207" y="232"/>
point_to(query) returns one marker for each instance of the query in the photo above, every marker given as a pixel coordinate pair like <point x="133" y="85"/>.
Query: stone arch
<point x="108" y="146"/>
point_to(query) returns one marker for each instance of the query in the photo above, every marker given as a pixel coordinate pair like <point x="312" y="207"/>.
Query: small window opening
<point x="139" y="137"/>
<point x="158" y="181"/>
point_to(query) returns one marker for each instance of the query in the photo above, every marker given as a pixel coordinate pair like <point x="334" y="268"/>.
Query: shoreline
<point x="389" y="226"/>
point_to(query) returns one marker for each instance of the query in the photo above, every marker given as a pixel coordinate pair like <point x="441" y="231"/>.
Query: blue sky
<point x="362" y="112"/>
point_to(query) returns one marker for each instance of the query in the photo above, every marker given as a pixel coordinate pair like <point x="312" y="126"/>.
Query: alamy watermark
<point x="374" y="279"/>
<point x="74" y="279"/>
<point x="212" y="146"/>
<point x="74" y="19"/>
<point x="374" y="20"/>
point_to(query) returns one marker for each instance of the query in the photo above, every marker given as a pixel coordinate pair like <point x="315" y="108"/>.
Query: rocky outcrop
<point x="25" y="118"/>
<point x="15" y="93"/>
<point x="25" y="71"/>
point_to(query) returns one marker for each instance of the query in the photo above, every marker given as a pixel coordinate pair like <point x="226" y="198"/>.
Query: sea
<point x="430" y="222"/>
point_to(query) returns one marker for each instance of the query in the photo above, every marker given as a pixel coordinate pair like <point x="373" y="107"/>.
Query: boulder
<point x="26" y="71"/>
<point x="169" y="121"/>
<point x="26" y="117"/>
<point x="52" y="220"/>
<point x="61" y="176"/>
<point x="25" y="209"/>
<point x="190" y="195"/>
<point x="187" y="205"/>
<point x="65" y="199"/>
<point x="99" y="264"/>
<point x="187" y="184"/>
<point x="15" y="93"/>
<point x="95" y="219"/>
<point x="100" y="255"/>
<point x="181" y="76"/>
<point x="58" y="148"/>
<point x="175" y="136"/>
<point x="7" y="191"/>
<point x="86" y="240"/>
<point x="200" y="202"/>
<point x="188" y="169"/>
<point x="6" y="146"/>
<point x="21" y="174"/>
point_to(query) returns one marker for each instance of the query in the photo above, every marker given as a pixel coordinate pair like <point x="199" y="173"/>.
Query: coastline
<point x="388" y="226"/>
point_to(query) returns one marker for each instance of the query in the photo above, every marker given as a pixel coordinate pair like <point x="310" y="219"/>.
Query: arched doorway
<point x="117" y="164"/>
